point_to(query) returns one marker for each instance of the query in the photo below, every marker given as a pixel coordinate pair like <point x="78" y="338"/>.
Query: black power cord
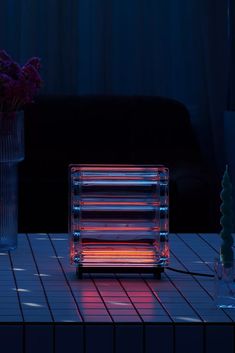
<point x="189" y="273"/>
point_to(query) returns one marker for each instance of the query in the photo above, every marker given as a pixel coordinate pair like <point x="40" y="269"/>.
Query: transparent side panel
<point x="118" y="215"/>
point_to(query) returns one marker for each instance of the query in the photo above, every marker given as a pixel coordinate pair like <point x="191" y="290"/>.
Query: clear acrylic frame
<point x="118" y="217"/>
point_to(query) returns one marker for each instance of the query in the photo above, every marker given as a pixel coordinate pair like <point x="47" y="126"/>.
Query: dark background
<point x="178" y="49"/>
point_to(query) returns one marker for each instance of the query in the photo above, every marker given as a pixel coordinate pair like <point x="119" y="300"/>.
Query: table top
<point x="38" y="284"/>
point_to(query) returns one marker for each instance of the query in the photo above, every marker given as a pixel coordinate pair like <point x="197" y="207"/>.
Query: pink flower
<point x="11" y="68"/>
<point x="4" y="56"/>
<point x="4" y="79"/>
<point x="35" y="62"/>
<point x="5" y="83"/>
<point x="32" y="75"/>
<point x="18" y="85"/>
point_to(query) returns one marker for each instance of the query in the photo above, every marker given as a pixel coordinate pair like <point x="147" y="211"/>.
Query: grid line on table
<point x="179" y="288"/>
<point x="183" y="265"/>
<point x="146" y="296"/>
<point x="196" y="245"/>
<point x="190" y="241"/>
<point x="173" y="279"/>
<point x="174" y="316"/>
<point x="78" y="296"/>
<point x="117" y="315"/>
<point x="16" y="286"/>
<point x="60" y="299"/>
<point x="119" y="298"/>
<point x="161" y="303"/>
<point x="9" y="300"/>
<point x="130" y="298"/>
<point x="195" y="239"/>
<point x="145" y="315"/>
<point x="26" y="281"/>
<point x="67" y="280"/>
<point x="185" y="250"/>
<point x="103" y="301"/>
<point x="40" y="279"/>
<point x="180" y="277"/>
<point x="96" y="287"/>
<point x="213" y="240"/>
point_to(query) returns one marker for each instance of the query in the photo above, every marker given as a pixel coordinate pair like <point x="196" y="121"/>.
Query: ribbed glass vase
<point x="11" y="153"/>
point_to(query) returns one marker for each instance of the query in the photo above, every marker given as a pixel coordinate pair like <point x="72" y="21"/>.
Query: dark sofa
<point x="60" y="130"/>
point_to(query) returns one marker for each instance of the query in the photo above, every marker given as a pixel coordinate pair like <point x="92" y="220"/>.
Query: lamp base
<point x="156" y="271"/>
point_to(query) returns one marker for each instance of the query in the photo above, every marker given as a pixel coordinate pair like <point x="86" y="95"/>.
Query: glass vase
<point x="119" y="217"/>
<point x="224" y="291"/>
<point x="11" y="153"/>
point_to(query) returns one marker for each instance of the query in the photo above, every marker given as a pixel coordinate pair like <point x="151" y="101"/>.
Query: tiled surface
<point x="40" y="296"/>
<point x="37" y="284"/>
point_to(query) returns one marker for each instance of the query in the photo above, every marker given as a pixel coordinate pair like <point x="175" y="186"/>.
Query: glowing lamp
<point x="118" y="218"/>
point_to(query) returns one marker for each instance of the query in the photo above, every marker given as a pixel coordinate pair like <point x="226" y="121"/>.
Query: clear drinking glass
<point x="118" y="216"/>
<point x="224" y="294"/>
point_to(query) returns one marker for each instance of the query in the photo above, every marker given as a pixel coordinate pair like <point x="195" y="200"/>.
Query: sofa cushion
<point x="60" y="130"/>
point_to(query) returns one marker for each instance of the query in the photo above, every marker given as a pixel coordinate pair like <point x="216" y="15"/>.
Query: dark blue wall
<point x="173" y="48"/>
